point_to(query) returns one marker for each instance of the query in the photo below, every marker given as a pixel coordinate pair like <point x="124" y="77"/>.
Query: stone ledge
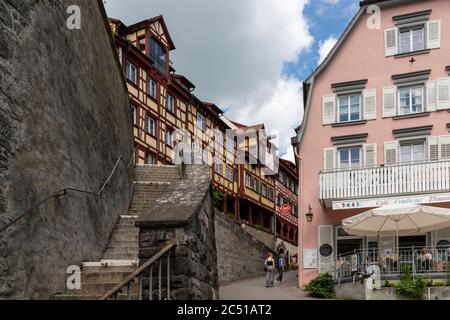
<point x="180" y="203"/>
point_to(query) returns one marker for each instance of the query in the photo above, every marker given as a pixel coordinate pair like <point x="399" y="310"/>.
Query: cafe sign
<point x="380" y="202"/>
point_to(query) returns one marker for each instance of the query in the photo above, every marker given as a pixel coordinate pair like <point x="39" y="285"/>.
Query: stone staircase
<point x="120" y="256"/>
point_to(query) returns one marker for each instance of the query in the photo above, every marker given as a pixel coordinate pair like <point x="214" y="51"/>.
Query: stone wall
<point x="239" y="254"/>
<point x="185" y="216"/>
<point x="64" y="120"/>
<point x="265" y="237"/>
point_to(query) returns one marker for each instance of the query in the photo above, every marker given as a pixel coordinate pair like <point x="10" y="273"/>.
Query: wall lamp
<point x="309" y="214"/>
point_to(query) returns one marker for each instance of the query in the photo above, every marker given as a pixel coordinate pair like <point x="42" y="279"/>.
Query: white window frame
<point x="218" y="166"/>
<point x="148" y="156"/>
<point x="349" y="112"/>
<point x="170" y="103"/>
<point x="411" y="143"/>
<point x="348" y="148"/>
<point x="130" y="71"/>
<point x="201" y="121"/>
<point x="151" y="129"/>
<point x="151" y="87"/>
<point x="410" y="88"/>
<point x="229" y="174"/>
<point x="169" y="138"/>
<point x="411" y="38"/>
<point x="134" y="111"/>
<point x="230" y="145"/>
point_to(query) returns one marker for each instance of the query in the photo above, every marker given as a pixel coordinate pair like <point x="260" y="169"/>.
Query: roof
<point x="184" y="80"/>
<point x="289" y="166"/>
<point x="213" y="108"/>
<point x="146" y="22"/>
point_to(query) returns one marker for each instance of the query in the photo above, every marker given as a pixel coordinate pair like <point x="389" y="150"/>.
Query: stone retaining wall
<point x="64" y="120"/>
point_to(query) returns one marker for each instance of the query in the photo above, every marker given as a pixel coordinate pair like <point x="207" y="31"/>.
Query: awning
<point x="398" y="220"/>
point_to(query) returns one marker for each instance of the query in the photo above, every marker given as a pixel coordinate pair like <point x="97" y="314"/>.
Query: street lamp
<point x="309" y="214"/>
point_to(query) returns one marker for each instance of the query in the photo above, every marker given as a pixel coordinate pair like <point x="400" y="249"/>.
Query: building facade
<point x="286" y="201"/>
<point x="376" y="128"/>
<point x="163" y="102"/>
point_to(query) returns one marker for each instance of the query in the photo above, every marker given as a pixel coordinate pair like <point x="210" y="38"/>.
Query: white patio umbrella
<point x="397" y="220"/>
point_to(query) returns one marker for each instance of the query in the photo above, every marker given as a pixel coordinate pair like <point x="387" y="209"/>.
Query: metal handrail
<point x="113" y="293"/>
<point x="63" y="192"/>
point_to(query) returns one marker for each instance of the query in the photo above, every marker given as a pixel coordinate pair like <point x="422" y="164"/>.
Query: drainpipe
<point x="300" y="224"/>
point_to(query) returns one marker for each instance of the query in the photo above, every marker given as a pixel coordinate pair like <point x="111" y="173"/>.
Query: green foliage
<point x="387" y="284"/>
<point x="218" y="197"/>
<point x="410" y="288"/>
<point x="321" y="287"/>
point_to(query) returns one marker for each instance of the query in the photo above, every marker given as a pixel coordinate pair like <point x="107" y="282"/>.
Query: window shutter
<point x="443" y="93"/>
<point x="444" y="147"/>
<point x="370" y="155"/>
<point x="434" y="34"/>
<point x="390" y="153"/>
<point x="389" y="102"/>
<point x="329" y="158"/>
<point x="433" y="148"/>
<point x="329" y="109"/>
<point x="325" y="237"/>
<point x="390" y="42"/>
<point x="370" y="104"/>
<point x="431" y="95"/>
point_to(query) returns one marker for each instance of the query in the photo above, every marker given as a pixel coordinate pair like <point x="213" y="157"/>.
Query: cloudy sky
<point x="248" y="56"/>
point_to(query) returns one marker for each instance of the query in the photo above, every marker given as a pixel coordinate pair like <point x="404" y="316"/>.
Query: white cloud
<point x="234" y="51"/>
<point x="289" y="155"/>
<point x="325" y="47"/>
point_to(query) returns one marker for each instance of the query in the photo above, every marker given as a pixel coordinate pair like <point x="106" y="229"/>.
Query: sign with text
<point x="310" y="259"/>
<point x="380" y="202"/>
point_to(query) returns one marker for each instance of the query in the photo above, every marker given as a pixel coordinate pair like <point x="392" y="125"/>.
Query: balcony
<point x="385" y="180"/>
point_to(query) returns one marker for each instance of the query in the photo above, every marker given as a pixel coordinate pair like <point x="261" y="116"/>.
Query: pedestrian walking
<point x="269" y="267"/>
<point x="280" y="266"/>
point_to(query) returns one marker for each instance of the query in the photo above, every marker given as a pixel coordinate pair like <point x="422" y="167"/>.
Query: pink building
<point x="376" y="128"/>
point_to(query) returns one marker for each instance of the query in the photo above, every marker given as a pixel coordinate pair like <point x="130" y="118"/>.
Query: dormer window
<point x="142" y="44"/>
<point x="157" y="56"/>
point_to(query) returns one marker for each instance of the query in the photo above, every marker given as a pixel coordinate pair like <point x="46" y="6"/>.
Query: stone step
<point x="121" y="250"/>
<point x="105" y="269"/>
<point x="91" y="297"/>
<point x="99" y="288"/>
<point x="124" y="227"/>
<point x="104" y="276"/>
<point x="126" y="222"/>
<point x="125" y="243"/>
<point x="120" y="256"/>
<point x="125" y="237"/>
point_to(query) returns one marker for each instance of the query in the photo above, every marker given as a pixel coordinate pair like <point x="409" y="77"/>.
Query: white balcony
<point x="385" y="180"/>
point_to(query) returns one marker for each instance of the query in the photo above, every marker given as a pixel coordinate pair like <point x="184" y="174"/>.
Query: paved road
<point x="254" y="289"/>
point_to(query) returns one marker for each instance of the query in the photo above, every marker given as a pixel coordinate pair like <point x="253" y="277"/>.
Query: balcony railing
<point x="385" y="180"/>
<point x="425" y="262"/>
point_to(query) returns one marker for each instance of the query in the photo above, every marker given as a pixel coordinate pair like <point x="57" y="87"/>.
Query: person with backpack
<point x="269" y="267"/>
<point x="280" y="266"/>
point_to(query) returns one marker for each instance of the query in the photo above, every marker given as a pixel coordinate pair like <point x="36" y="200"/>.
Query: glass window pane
<point x="355" y="157"/>
<point x="418" y="152"/>
<point x="405" y="103"/>
<point x="405" y="153"/>
<point x="343" y="109"/>
<point x="418" y="39"/>
<point x="355" y="114"/>
<point x="344" y="158"/>
<point x="405" y="41"/>
<point x="416" y="94"/>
